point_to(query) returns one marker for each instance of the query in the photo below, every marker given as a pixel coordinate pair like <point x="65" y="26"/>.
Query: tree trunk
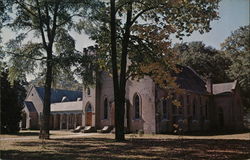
<point x="119" y="113"/>
<point x="44" y="132"/>
<point x="120" y="82"/>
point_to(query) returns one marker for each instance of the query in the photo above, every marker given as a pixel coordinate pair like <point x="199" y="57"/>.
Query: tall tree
<point x="12" y="97"/>
<point x="50" y="22"/>
<point x="206" y="61"/>
<point x="237" y="48"/>
<point x="137" y="32"/>
<point x="61" y="80"/>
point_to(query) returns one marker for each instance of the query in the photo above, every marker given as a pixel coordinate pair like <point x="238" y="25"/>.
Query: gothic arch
<point x="137" y="104"/>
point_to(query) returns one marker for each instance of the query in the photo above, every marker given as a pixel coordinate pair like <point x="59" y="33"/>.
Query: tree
<point x="61" y="80"/>
<point x="50" y="21"/>
<point x="12" y="97"/>
<point x="206" y="61"/>
<point x="5" y="7"/>
<point x="236" y="47"/>
<point x="139" y="31"/>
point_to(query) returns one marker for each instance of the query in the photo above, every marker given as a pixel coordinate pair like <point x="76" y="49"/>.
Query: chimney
<point x="64" y="99"/>
<point x="209" y="86"/>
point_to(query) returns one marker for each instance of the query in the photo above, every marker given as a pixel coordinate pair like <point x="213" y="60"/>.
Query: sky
<point x="233" y="13"/>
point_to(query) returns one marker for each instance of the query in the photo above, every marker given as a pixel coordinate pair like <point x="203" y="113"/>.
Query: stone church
<point x="204" y="106"/>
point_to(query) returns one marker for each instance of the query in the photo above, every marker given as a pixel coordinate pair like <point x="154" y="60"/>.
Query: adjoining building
<point x="204" y="106"/>
<point x="66" y="108"/>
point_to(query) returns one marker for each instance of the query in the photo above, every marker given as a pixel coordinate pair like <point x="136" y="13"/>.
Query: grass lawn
<point x="67" y="146"/>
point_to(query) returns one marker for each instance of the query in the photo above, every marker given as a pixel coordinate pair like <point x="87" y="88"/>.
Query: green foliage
<point x="135" y="39"/>
<point x="61" y="81"/>
<point x="50" y="30"/>
<point x="5" y="8"/>
<point x="54" y="48"/>
<point x="206" y="61"/>
<point x="151" y="25"/>
<point x="12" y="97"/>
<point x="237" y="48"/>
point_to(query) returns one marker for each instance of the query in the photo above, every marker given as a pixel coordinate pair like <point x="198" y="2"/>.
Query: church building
<point x="204" y="106"/>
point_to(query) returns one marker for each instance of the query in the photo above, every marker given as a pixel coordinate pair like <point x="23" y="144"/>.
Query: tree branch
<point x="26" y="56"/>
<point x="41" y="26"/>
<point x="25" y="8"/>
<point x="47" y="20"/>
<point x="64" y="22"/>
<point x="140" y="13"/>
<point x="54" y="26"/>
<point x="127" y="2"/>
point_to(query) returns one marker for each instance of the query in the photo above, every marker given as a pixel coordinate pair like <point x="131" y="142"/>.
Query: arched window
<point x="137" y="106"/>
<point x="89" y="108"/>
<point x="105" y="109"/>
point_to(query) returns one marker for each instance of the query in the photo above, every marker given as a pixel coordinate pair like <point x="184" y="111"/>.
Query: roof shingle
<point x="58" y="94"/>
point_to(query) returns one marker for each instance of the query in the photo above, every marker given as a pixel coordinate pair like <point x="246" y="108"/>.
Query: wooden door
<point x="88" y="118"/>
<point x="88" y="115"/>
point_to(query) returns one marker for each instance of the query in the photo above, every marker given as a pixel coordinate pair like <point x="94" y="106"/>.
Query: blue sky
<point x="233" y="13"/>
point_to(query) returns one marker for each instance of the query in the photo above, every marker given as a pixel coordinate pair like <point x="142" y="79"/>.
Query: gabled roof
<point x="189" y="80"/>
<point x="30" y="106"/>
<point x="224" y="87"/>
<point x="58" y="94"/>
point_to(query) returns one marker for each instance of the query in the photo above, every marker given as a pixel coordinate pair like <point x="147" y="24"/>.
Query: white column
<point x="67" y="115"/>
<point x="74" y="120"/>
<point x="61" y="121"/>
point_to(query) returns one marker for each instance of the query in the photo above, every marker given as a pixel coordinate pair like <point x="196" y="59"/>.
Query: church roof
<point x="66" y="106"/>
<point x="188" y="79"/>
<point x="30" y="106"/>
<point x="224" y="87"/>
<point x="58" y="94"/>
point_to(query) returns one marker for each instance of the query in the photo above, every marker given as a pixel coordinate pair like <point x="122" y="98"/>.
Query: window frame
<point x="105" y="108"/>
<point x="137" y="110"/>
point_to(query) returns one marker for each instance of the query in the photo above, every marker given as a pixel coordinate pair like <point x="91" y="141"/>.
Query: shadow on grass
<point x="26" y="133"/>
<point x="105" y="148"/>
<point x="214" y="133"/>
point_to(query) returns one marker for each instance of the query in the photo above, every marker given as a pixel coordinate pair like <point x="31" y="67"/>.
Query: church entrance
<point x="88" y="117"/>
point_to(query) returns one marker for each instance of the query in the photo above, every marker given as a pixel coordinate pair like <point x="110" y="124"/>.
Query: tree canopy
<point x="137" y="33"/>
<point x="12" y="97"/>
<point x="206" y="61"/>
<point x="53" y="49"/>
<point x="237" y="48"/>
